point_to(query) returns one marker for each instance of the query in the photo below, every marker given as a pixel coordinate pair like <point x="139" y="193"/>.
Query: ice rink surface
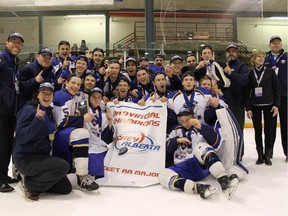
<point x="262" y="193"/>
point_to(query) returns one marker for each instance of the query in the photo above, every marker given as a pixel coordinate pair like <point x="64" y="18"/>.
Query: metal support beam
<point x="40" y="31"/>
<point x="150" y="30"/>
<point x="107" y="34"/>
<point x="235" y="33"/>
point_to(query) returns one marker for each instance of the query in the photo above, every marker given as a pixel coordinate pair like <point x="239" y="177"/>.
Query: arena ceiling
<point x="229" y="6"/>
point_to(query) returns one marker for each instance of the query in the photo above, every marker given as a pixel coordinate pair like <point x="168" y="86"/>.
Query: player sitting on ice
<point x="192" y="145"/>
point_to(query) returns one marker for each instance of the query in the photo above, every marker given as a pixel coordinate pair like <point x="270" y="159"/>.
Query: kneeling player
<point x="192" y="145"/>
<point x="71" y="139"/>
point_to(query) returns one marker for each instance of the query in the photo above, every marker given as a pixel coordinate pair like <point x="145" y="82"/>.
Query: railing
<point x="124" y="42"/>
<point x="178" y="31"/>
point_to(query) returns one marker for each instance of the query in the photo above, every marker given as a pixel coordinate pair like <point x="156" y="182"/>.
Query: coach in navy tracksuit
<point x="8" y="88"/>
<point x="277" y="59"/>
<point x="31" y="75"/>
<point x="34" y="134"/>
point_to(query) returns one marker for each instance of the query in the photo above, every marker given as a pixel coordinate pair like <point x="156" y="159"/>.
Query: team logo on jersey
<point x="136" y="142"/>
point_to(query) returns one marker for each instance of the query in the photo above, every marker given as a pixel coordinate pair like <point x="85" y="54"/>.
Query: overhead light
<point x="275" y="17"/>
<point x="86" y="16"/>
<point x="68" y="2"/>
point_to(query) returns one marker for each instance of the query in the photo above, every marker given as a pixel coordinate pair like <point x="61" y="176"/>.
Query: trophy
<point x="82" y="106"/>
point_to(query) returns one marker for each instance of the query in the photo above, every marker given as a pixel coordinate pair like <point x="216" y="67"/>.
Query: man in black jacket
<point x="238" y="74"/>
<point x="277" y="59"/>
<point x="31" y="75"/>
<point x="8" y="92"/>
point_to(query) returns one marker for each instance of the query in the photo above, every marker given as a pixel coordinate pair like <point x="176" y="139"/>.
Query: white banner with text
<point x="137" y="153"/>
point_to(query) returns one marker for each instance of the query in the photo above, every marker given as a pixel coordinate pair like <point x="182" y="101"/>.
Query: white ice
<point x="262" y="193"/>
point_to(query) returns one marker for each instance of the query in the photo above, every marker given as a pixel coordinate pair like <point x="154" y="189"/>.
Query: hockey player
<point x="123" y="91"/>
<point x="190" y="96"/>
<point x="207" y="66"/>
<point x="63" y="61"/>
<point x="193" y="146"/>
<point x="214" y="100"/>
<point x="111" y="78"/>
<point x="97" y="66"/>
<point x="161" y="93"/>
<point x="101" y="133"/>
<point x="130" y="72"/>
<point x="80" y="70"/>
<point x="144" y="84"/>
<point x="174" y="73"/>
<point x="71" y="139"/>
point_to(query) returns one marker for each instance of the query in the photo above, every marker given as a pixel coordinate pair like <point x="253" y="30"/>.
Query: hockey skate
<point x="228" y="185"/>
<point x="205" y="191"/>
<point x="87" y="182"/>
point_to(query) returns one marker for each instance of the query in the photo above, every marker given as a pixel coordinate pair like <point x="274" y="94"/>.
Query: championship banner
<point x="137" y="153"/>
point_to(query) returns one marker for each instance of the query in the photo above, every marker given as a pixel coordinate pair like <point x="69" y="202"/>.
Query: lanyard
<point x="161" y="94"/>
<point x="189" y="102"/>
<point x="261" y="76"/>
<point x="126" y="99"/>
<point x="275" y="61"/>
<point x="98" y="117"/>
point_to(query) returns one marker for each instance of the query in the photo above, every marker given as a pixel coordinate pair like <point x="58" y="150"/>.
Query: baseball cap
<point x="46" y="85"/>
<point x="82" y="58"/>
<point x="46" y="50"/>
<point x="274" y="37"/>
<point x="15" y="34"/>
<point x="185" y="111"/>
<point x="176" y="57"/>
<point x="231" y="46"/>
<point x="96" y="89"/>
<point x="131" y="59"/>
